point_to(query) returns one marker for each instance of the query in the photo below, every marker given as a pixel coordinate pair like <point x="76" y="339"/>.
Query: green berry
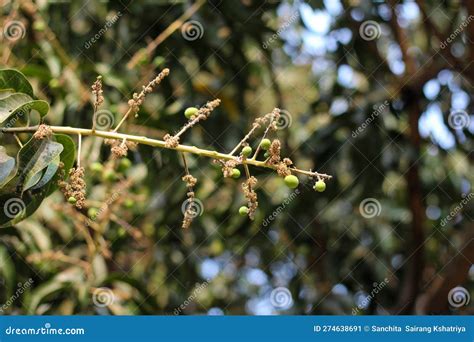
<point x="125" y="164"/>
<point x="235" y="173"/>
<point x="246" y="151"/>
<point x="266" y="155"/>
<point x="291" y="181"/>
<point x="72" y="200"/>
<point x="243" y="211"/>
<point x="265" y="144"/>
<point x="54" y="83"/>
<point x="97" y="167"/>
<point x="92" y="213"/>
<point x="121" y="232"/>
<point x="190" y="112"/>
<point x="109" y="175"/>
<point x="128" y="203"/>
<point x="319" y="186"/>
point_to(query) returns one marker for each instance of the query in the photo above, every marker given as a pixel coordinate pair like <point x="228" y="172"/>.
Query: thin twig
<point x="264" y="136"/>
<point x="79" y="146"/>
<point x="18" y="140"/>
<point x="137" y="57"/>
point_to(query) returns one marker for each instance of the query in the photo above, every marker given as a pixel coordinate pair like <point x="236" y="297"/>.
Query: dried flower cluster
<point x="202" y="114"/>
<point x="119" y="148"/>
<point x="190" y="210"/>
<point x="98" y="92"/>
<point x="171" y="141"/>
<point x="43" y="131"/>
<point x="138" y="99"/>
<point x="282" y="167"/>
<point x="250" y="195"/>
<point x="228" y="167"/>
<point x="75" y="187"/>
<point x="189" y="180"/>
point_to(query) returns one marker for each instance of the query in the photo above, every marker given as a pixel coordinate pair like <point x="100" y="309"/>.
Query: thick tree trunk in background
<point x="435" y="300"/>
<point x="415" y="262"/>
<point x="415" y="253"/>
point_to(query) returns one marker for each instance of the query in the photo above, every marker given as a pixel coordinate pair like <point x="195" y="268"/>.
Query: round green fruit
<point x="109" y="175"/>
<point x="72" y="200"/>
<point x="319" y="186"/>
<point x="92" y="213"/>
<point x="125" y="164"/>
<point x="189" y="112"/>
<point x="243" y="211"/>
<point x="235" y="173"/>
<point x="97" y="167"/>
<point x="291" y="181"/>
<point x="121" y="232"/>
<point x="246" y="151"/>
<point x="265" y="144"/>
<point x="128" y="203"/>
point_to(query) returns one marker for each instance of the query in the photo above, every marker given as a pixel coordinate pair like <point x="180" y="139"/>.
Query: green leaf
<point x="16" y="201"/>
<point x="7" y="164"/>
<point x="15" y="82"/>
<point x="48" y="173"/>
<point x="7" y="271"/>
<point x="18" y="105"/>
<point x="40" y="162"/>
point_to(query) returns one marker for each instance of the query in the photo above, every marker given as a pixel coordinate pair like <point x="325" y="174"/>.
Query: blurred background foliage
<point x="321" y="70"/>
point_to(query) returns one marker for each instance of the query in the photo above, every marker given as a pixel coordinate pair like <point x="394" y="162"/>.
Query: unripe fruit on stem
<point x="121" y="232"/>
<point x="92" y="213"/>
<point x="246" y="151"/>
<point x="109" y="175"/>
<point x="235" y="173"/>
<point x="128" y="203"/>
<point x="265" y="144"/>
<point x="96" y="167"/>
<point x="125" y="164"/>
<point x="291" y="181"/>
<point x="72" y="200"/>
<point x="243" y="211"/>
<point x="266" y="155"/>
<point x="319" y="186"/>
<point x="189" y="112"/>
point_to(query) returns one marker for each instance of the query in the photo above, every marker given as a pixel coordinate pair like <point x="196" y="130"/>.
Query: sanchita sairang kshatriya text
<point x="428" y="329"/>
